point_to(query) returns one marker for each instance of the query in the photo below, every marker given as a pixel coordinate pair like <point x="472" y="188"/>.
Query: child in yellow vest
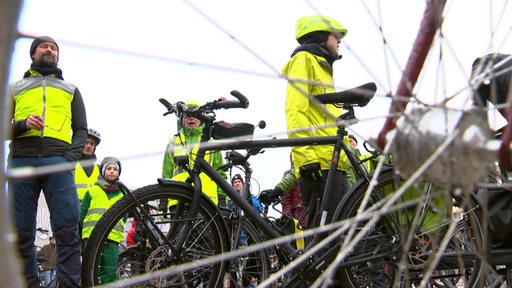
<point x="94" y="204"/>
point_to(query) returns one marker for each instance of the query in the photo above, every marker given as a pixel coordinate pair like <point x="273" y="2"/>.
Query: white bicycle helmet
<point x="94" y="134"/>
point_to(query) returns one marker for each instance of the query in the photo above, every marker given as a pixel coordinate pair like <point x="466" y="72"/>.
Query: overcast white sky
<point x="125" y="55"/>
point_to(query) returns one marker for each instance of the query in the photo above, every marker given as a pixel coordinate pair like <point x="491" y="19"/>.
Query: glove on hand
<point x="311" y="171"/>
<point x="270" y="195"/>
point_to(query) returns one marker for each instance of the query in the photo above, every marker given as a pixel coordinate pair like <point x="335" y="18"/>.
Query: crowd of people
<point x="49" y="129"/>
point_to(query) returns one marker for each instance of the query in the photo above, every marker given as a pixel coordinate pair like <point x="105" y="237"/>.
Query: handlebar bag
<point x="223" y="130"/>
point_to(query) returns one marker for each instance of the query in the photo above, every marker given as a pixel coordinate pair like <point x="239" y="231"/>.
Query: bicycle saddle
<point x="357" y="96"/>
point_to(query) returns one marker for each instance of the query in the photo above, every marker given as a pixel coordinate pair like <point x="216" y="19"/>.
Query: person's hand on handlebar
<point x="270" y="195"/>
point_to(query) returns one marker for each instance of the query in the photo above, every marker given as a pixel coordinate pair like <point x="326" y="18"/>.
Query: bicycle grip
<point x="169" y="106"/>
<point x="165" y="103"/>
<point x="242" y="102"/>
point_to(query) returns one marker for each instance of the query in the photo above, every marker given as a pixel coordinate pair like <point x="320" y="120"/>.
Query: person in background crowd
<point x="238" y="183"/>
<point x="352" y="140"/>
<point x="289" y="192"/>
<point x="130" y="236"/>
<point x="86" y="171"/>
<point x="95" y="203"/>
<point x="351" y="175"/>
<point x="310" y="73"/>
<point x="368" y="160"/>
<point x="49" y="129"/>
<point x="50" y="253"/>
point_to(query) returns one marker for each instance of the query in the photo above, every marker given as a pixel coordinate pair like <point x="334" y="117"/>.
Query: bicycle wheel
<point x="251" y="267"/>
<point x="202" y="236"/>
<point x="427" y="238"/>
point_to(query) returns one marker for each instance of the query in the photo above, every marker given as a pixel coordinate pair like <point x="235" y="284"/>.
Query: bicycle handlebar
<point x="199" y="112"/>
<point x="242" y="102"/>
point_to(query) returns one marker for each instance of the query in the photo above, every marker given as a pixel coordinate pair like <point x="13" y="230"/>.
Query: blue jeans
<point x="49" y="275"/>
<point x="61" y="197"/>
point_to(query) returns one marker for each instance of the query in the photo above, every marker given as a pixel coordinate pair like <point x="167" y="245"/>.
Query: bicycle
<point x="199" y="209"/>
<point x="253" y="267"/>
<point x="195" y="216"/>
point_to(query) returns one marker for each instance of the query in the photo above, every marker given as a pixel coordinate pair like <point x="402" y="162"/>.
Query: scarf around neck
<point x="318" y="50"/>
<point x="45" y="71"/>
<point x="107" y="186"/>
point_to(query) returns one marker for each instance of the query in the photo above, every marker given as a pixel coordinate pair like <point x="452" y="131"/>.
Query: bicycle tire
<point x="407" y="249"/>
<point x="256" y="264"/>
<point x="207" y="237"/>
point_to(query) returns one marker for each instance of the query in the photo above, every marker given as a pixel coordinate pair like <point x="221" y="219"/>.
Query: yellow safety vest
<point x="31" y="96"/>
<point x="178" y="149"/>
<point x="84" y="182"/>
<point x="98" y="206"/>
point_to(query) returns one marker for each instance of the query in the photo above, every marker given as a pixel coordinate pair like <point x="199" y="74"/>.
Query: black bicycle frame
<point x="202" y="165"/>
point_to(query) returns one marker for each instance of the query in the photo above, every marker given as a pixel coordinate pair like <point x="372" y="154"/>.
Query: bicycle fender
<point x="170" y="182"/>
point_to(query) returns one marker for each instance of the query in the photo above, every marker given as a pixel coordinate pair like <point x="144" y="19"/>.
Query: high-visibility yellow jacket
<point x="186" y="143"/>
<point x="309" y="75"/>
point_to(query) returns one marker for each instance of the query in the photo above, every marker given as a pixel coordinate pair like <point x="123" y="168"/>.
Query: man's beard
<point x="45" y="62"/>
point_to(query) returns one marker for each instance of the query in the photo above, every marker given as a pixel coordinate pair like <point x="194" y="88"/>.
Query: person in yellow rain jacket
<point x="86" y="171"/>
<point x="310" y="73"/>
<point x="186" y="142"/>
<point x="95" y="203"/>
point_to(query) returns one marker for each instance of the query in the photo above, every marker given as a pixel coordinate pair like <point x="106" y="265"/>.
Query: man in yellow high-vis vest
<point x="48" y="130"/>
<point x="86" y="171"/>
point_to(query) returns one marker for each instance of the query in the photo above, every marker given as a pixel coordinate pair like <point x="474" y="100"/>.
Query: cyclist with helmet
<point x="95" y="203"/>
<point x="86" y="171"/>
<point x="310" y="73"/>
<point x="185" y="142"/>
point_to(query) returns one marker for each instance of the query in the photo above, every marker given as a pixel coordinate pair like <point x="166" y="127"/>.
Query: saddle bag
<point x="499" y="211"/>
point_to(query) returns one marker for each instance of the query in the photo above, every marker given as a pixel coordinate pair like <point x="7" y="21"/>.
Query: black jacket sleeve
<point x="79" y="127"/>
